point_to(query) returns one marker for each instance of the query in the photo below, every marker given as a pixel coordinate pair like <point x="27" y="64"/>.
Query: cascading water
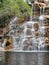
<point x="42" y="21"/>
<point x="2" y="45"/>
<point x="2" y="49"/>
<point x="28" y="34"/>
<point x="13" y="34"/>
<point x="32" y="35"/>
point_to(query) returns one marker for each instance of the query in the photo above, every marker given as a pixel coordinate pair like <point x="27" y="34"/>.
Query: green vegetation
<point x="11" y="8"/>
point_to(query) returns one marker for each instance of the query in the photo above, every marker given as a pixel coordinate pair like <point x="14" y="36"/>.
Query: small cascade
<point x="2" y="45"/>
<point x="13" y="33"/>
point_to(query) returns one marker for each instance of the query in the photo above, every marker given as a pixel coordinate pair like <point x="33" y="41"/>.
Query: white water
<point x="27" y="39"/>
<point x="2" y="45"/>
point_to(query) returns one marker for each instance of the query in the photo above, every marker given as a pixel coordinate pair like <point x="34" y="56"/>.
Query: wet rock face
<point x="36" y="26"/>
<point x="37" y="33"/>
<point x="28" y="32"/>
<point x="30" y="44"/>
<point x="7" y="43"/>
<point x="29" y="25"/>
<point x="42" y="1"/>
<point x="27" y="45"/>
<point x="47" y="10"/>
<point x="26" y="42"/>
<point x="36" y="10"/>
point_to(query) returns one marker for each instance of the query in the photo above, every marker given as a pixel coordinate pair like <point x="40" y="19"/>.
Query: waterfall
<point x="31" y="36"/>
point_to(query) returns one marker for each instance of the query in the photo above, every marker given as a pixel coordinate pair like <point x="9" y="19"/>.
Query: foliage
<point x="10" y="8"/>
